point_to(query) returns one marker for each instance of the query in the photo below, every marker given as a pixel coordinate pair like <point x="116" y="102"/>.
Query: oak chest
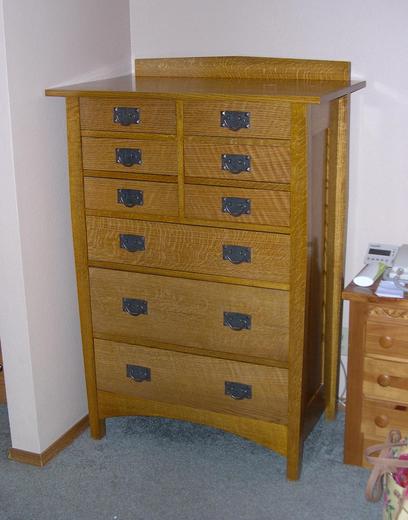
<point x="208" y="208"/>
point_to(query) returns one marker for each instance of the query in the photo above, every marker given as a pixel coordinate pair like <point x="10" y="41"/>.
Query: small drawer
<point x="133" y="197"/>
<point x="237" y="119"/>
<point x="200" y="382"/>
<point x="378" y="418"/>
<point x="242" y="320"/>
<point x="130" y="156"/>
<point x="387" y="339"/>
<point x="190" y="248"/>
<point x="223" y="160"/>
<point x="128" y="115"/>
<point x="227" y="204"/>
<point x="385" y="380"/>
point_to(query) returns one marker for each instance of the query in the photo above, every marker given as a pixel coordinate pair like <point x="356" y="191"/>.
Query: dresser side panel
<point x="81" y="259"/>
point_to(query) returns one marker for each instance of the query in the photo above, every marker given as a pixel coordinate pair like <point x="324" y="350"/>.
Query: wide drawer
<point x="190" y="248"/>
<point x="228" y="204"/>
<point x="385" y="380"/>
<point x="226" y="159"/>
<point x="133" y="197"/>
<point x="379" y="417"/>
<point x="263" y="120"/>
<point x="129" y="155"/>
<point x="387" y="335"/>
<point x="128" y="115"/>
<point x="133" y="306"/>
<point x="189" y="380"/>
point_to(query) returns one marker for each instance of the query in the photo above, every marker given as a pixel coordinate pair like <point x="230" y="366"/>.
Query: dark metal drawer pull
<point x="130" y="198"/>
<point x="235" y="120"/>
<point x="236" y="206"/>
<point x="128" y="156"/>
<point x="237" y="321"/>
<point x="132" y="243"/>
<point x="126" y="116"/>
<point x="238" y="391"/>
<point x="235" y="163"/>
<point x="138" y="373"/>
<point x="236" y="254"/>
<point x="134" y="307"/>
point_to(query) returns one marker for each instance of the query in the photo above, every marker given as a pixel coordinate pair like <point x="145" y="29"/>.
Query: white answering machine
<point x="390" y="260"/>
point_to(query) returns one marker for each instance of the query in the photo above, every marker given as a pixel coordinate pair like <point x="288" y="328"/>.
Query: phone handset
<point x="378" y="258"/>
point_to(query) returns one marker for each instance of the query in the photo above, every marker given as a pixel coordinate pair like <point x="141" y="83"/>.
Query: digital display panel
<point x="379" y="252"/>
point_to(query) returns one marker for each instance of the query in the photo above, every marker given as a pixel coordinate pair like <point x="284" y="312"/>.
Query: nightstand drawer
<point x="225" y="252"/>
<point x="128" y="115"/>
<point x="237" y="119"/>
<point x="133" y="197"/>
<point x="385" y="380"/>
<point x="387" y="339"/>
<point x="224" y="159"/>
<point x="237" y="205"/>
<point x="130" y="156"/>
<point x="213" y="316"/>
<point x="201" y="382"/>
<point x="378" y="418"/>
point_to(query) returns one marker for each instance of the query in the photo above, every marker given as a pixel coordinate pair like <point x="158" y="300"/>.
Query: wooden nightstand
<point x="377" y="387"/>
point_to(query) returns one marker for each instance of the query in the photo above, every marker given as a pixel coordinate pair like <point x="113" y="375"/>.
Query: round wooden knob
<point x="384" y="380"/>
<point x="381" y="421"/>
<point x="386" y="341"/>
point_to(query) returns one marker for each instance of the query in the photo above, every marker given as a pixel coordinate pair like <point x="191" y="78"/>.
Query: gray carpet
<point x="157" y="469"/>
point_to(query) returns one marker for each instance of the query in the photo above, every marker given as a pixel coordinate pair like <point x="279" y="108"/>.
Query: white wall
<point x="46" y="43"/>
<point x="371" y="34"/>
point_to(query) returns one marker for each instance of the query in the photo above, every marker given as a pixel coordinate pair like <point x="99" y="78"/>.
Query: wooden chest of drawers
<point x="377" y="390"/>
<point x="208" y="207"/>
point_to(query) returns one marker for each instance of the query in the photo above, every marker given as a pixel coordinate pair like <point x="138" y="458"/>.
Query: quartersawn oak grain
<point x="272" y="121"/>
<point x="158" y="198"/>
<point x="191" y="312"/>
<point x="157" y="156"/>
<point x="267" y="207"/>
<point x="156" y="116"/>
<point x="267" y="163"/>
<point x="277" y="85"/>
<point x="200" y="250"/>
<point x="195" y="381"/>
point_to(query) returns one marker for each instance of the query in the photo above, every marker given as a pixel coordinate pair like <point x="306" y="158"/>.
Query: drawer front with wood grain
<point x="201" y="382"/>
<point x="237" y="119"/>
<point x="238" y="205"/>
<point x="386" y="338"/>
<point x="385" y="380"/>
<point x="379" y="417"/>
<point x="190" y="248"/>
<point x="129" y="155"/>
<point x="226" y="159"/>
<point x="133" y="197"/>
<point x="128" y="115"/>
<point x="242" y="320"/>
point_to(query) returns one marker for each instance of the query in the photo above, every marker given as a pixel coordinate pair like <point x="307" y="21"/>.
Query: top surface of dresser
<point x="306" y="91"/>
<point x="240" y="77"/>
